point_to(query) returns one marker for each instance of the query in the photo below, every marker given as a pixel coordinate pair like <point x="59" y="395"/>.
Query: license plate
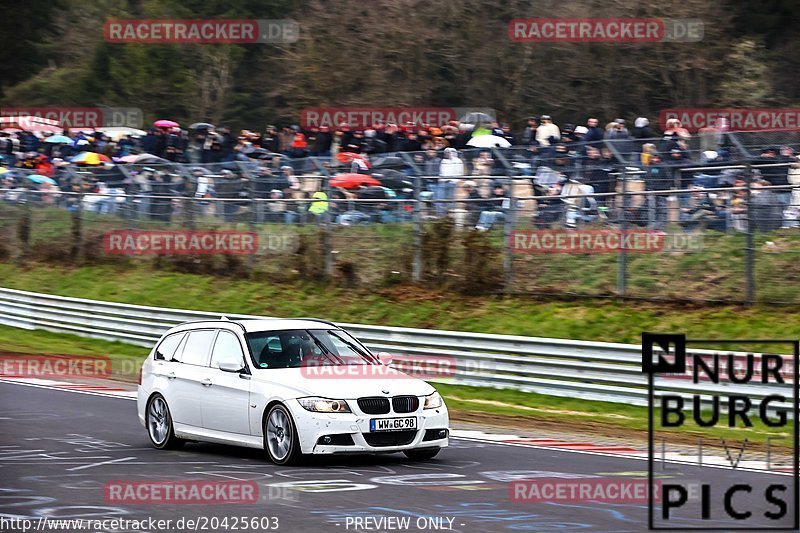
<point x="392" y="424"/>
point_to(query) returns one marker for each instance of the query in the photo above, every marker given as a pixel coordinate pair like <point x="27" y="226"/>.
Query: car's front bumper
<point x="312" y="426"/>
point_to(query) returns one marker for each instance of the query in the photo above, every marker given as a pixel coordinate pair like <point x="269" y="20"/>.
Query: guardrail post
<point x="416" y="265"/>
<point x="622" y="270"/>
<point x="749" y="247"/>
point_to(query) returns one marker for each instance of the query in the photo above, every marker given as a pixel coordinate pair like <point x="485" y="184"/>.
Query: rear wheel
<point x="159" y="424"/>
<point x="424" y="454"/>
<point x="280" y="437"/>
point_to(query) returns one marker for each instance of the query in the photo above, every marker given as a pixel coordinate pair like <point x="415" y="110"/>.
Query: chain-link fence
<point x="692" y="219"/>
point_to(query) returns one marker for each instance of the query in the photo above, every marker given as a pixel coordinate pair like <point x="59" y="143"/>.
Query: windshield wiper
<point x="325" y="350"/>
<point x="353" y="347"/>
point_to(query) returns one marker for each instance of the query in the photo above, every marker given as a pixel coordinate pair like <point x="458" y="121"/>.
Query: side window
<point x="167" y="347"/>
<point x="226" y="350"/>
<point x="197" y="346"/>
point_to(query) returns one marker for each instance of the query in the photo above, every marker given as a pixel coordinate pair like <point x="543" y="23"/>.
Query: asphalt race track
<point x="59" y="449"/>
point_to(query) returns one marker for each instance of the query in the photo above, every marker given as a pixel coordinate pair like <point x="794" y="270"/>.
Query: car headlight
<point x="432" y="401"/>
<point x="324" y="405"/>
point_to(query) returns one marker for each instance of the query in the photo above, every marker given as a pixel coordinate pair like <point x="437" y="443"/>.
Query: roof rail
<point x="223" y="319"/>
<point x="317" y="320"/>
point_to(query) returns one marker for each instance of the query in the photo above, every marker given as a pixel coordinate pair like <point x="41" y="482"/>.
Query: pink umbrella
<point x="165" y="124"/>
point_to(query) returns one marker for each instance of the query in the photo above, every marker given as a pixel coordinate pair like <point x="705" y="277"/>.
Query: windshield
<point x="297" y="348"/>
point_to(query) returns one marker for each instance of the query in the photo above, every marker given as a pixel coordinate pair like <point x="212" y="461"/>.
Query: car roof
<point x="252" y="325"/>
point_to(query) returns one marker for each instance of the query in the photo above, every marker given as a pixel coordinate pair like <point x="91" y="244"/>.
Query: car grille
<point x="390" y="438"/>
<point x="374" y="406"/>
<point x="405" y="404"/>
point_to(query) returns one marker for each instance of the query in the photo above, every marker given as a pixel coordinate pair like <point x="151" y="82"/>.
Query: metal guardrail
<point x="578" y="369"/>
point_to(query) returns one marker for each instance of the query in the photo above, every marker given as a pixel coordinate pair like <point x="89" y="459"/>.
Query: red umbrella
<point x="347" y="157"/>
<point x="352" y="181"/>
<point x="165" y="124"/>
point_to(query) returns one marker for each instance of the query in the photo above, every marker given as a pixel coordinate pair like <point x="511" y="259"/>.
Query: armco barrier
<point x="577" y="369"/>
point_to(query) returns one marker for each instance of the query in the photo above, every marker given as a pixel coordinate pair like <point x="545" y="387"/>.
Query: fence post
<point x="416" y="265"/>
<point x="749" y="247"/>
<point x="327" y="245"/>
<point x="24" y="225"/>
<point x="622" y="271"/>
<point x="508" y="228"/>
<point x="77" y="228"/>
<point x="252" y="225"/>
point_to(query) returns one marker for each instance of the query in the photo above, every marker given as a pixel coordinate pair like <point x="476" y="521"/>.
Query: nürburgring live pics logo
<point x="728" y="391"/>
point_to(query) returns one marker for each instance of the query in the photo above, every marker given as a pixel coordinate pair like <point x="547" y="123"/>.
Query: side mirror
<point x="385" y="358"/>
<point x="234" y="368"/>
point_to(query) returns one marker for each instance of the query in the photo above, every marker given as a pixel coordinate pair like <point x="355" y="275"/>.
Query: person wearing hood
<point x="620" y="136"/>
<point x="641" y="132"/>
<point x="319" y="206"/>
<point x="529" y="133"/>
<point x="547" y="133"/>
<point x="450" y="170"/>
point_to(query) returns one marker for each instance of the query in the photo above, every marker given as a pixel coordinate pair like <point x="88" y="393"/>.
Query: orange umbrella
<point x="351" y="180"/>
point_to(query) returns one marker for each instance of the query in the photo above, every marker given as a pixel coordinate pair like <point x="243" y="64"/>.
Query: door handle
<point x="171" y="375"/>
<point x="206" y="382"/>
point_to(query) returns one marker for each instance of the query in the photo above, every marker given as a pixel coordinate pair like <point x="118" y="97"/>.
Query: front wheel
<point x="422" y="455"/>
<point x="159" y="424"/>
<point x="280" y="436"/>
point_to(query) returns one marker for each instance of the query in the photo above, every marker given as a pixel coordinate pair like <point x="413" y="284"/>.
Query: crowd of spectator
<point x="557" y="161"/>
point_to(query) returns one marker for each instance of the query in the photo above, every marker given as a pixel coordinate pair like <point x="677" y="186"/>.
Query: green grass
<point x="125" y="358"/>
<point x="377" y="255"/>
<point x="599" y="320"/>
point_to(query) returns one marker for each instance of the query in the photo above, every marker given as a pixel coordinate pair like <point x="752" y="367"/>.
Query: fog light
<point x="442" y="433"/>
<point x="326" y="439"/>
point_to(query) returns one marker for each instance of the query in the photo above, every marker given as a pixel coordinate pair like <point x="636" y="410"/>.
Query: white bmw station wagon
<point x="290" y="386"/>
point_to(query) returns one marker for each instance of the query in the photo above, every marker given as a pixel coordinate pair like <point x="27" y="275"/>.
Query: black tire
<point x="280" y="437"/>
<point x="425" y="454"/>
<point x="158" y="422"/>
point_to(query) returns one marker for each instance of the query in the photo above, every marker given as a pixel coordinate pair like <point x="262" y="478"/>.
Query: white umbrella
<point x="488" y="141"/>
<point x="117" y="132"/>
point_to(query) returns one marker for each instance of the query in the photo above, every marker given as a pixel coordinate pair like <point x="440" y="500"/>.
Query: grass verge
<point x="406" y="306"/>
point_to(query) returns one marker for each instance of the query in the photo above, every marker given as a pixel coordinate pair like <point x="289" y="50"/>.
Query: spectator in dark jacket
<point x="322" y="144"/>
<point x="271" y="140"/>
<point x="641" y="132"/>
<point x="529" y="134"/>
<point x="594" y="133"/>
